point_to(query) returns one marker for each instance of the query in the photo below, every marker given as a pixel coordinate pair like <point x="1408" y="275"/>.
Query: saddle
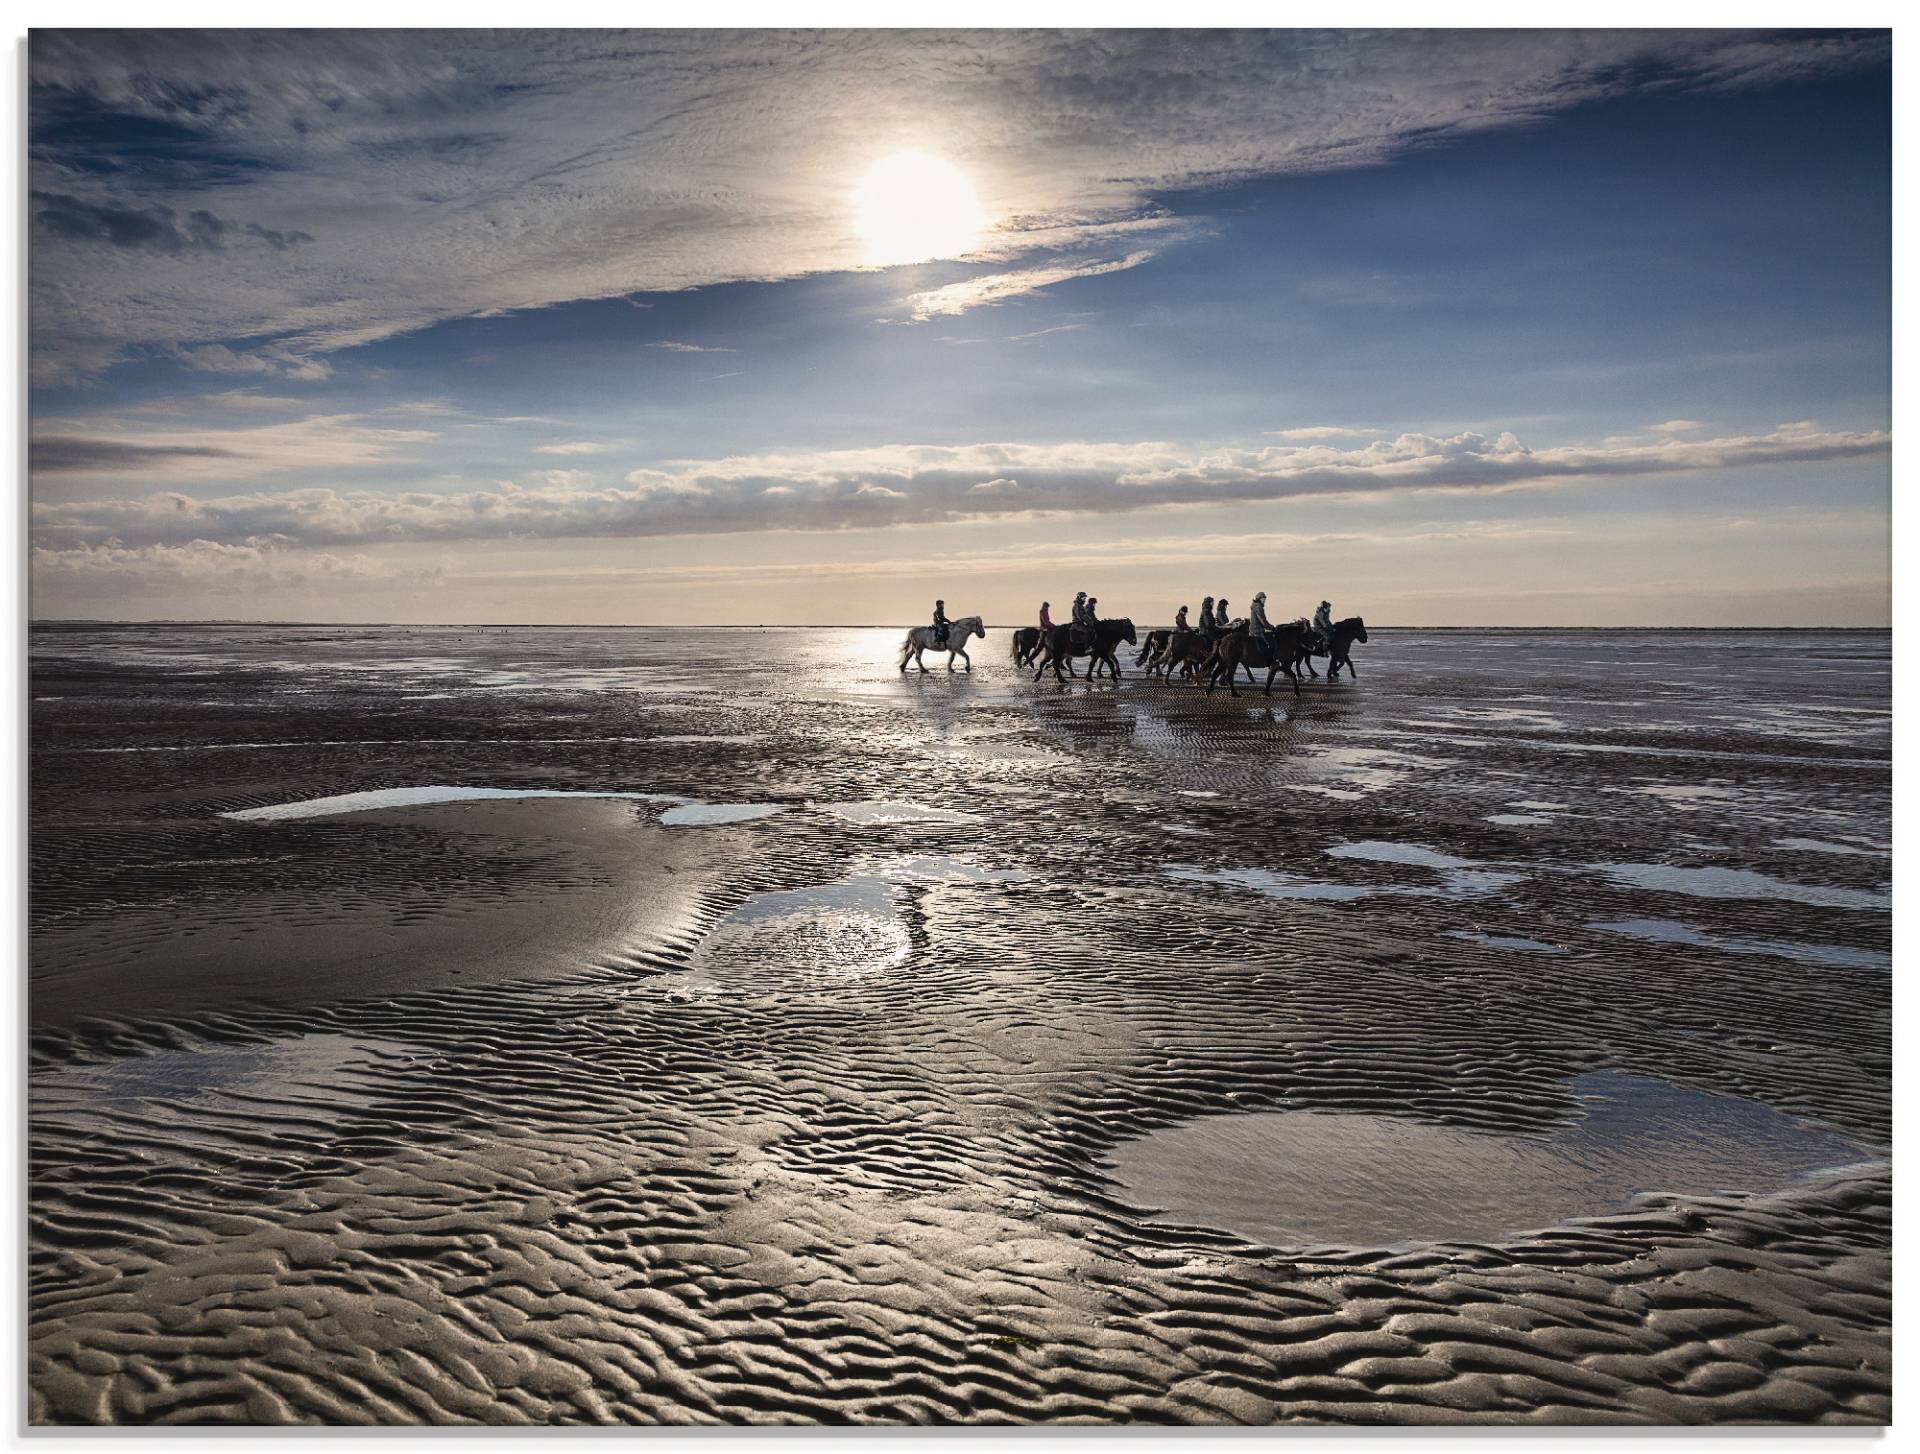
<point x="1082" y="638"/>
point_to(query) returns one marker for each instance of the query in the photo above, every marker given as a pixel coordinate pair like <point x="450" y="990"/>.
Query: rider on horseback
<point x="940" y="624"/>
<point x="1323" y="625"/>
<point x="1046" y="618"/>
<point x="1206" y="615"/>
<point x="1221" y="619"/>
<point x="1180" y="621"/>
<point x="1257" y="618"/>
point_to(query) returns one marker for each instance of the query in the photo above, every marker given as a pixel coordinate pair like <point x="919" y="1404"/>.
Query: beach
<point x="1503" y="1036"/>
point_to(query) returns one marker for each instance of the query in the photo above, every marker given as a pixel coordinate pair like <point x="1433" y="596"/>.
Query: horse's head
<point x="1126" y="627"/>
<point x="1358" y="626"/>
<point x="979" y="629"/>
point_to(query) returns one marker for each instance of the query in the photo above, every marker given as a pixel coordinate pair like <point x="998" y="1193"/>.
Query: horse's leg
<point x="920" y="660"/>
<point x="1272" y="672"/>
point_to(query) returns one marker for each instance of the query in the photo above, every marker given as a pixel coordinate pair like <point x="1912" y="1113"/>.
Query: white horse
<point x="959" y="631"/>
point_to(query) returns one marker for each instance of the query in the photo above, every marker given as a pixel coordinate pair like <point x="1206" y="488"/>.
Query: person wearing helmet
<point x="1323" y="625"/>
<point x="1180" y="622"/>
<point x="1221" y="617"/>
<point x="1207" y="622"/>
<point x="940" y="624"/>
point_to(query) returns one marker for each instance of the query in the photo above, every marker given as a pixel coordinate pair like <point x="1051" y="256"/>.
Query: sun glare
<point x="914" y="206"/>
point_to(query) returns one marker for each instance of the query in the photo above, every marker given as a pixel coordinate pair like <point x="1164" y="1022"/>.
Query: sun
<point x="914" y="206"/>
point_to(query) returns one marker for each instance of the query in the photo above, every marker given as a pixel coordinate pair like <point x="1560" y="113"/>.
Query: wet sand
<point x="553" y="1110"/>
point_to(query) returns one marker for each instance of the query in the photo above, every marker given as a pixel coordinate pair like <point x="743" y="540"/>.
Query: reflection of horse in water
<point x="922" y="639"/>
<point x="1027" y="642"/>
<point x="1068" y="642"/>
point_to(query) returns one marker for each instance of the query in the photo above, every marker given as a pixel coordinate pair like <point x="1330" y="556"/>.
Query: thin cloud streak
<point x="910" y="485"/>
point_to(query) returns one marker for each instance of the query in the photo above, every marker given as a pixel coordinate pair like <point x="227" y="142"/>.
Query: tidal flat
<point x="719" y="1026"/>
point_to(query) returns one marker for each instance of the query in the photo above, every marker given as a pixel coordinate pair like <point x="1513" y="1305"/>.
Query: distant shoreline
<point x="70" y="621"/>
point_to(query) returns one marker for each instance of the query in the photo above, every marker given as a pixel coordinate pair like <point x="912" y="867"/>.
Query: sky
<point x="1448" y="328"/>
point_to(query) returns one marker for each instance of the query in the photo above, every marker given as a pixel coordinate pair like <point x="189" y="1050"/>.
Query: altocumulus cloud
<point x="252" y="565"/>
<point x="539" y="160"/>
<point x="905" y="485"/>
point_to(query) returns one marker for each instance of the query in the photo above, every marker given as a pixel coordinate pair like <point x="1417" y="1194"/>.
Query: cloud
<point x="240" y="399"/>
<point x="673" y="347"/>
<point x="1679" y="426"/>
<point x="994" y="288"/>
<point x="575" y="446"/>
<point x="77" y="454"/>
<point x="110" y="570"/>
<point x="423" y="176"/>
<point x="327" y="441"/>
<point x="154" y="229"/>
<point x="1315" y="431"/>
<point x="909" y="485"/>
<point x="217" y="358"/>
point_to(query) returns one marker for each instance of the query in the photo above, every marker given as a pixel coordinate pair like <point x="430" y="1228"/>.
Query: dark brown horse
<point x="1156" y="643"/>
<point x="1026" y="645"/>
<point x="1345" y="633"/>
<point x="1187" y="651"/>
<point x="1336" y="649"/>
<point x="1239" y="648"/>
<point x="1062" y="647"/>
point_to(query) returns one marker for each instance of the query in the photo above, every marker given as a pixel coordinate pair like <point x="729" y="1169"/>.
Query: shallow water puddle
<point x="1265" y="881"/>
<point x="686" y="812"/>
<point x="317" y="1067"/>
<point x="1506" y="941"/>
<point x="1820" y="845"/>
<point x="413" y="798"/>
<point x="1315" y="1179"/>
<point x="1374" y="851"/>
<point x="1738" y="883"/>
<point x="691" y="813"/>
<point x="791" y="939"/>
<point x="1665" y="931"/>
<point x="1459" y="877"/>
<point x="880" y="811"/>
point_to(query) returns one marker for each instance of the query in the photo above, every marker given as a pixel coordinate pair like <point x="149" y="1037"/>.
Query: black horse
<point x="1156" y="643"/>
<point x="1027" y="642"/>
<point x="1239" y="648"/>
<point x="1345" y="633"/>
<point x="1107" y="635"/>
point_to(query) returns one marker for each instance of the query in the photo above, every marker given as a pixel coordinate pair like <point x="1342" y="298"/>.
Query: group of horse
<point x="1204" y="658"/>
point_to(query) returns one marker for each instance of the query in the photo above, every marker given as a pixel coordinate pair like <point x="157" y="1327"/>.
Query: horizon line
<point x="804" y="625"/>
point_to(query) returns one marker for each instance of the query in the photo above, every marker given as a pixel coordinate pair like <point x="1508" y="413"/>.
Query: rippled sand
<point x="550" y="1108"/>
